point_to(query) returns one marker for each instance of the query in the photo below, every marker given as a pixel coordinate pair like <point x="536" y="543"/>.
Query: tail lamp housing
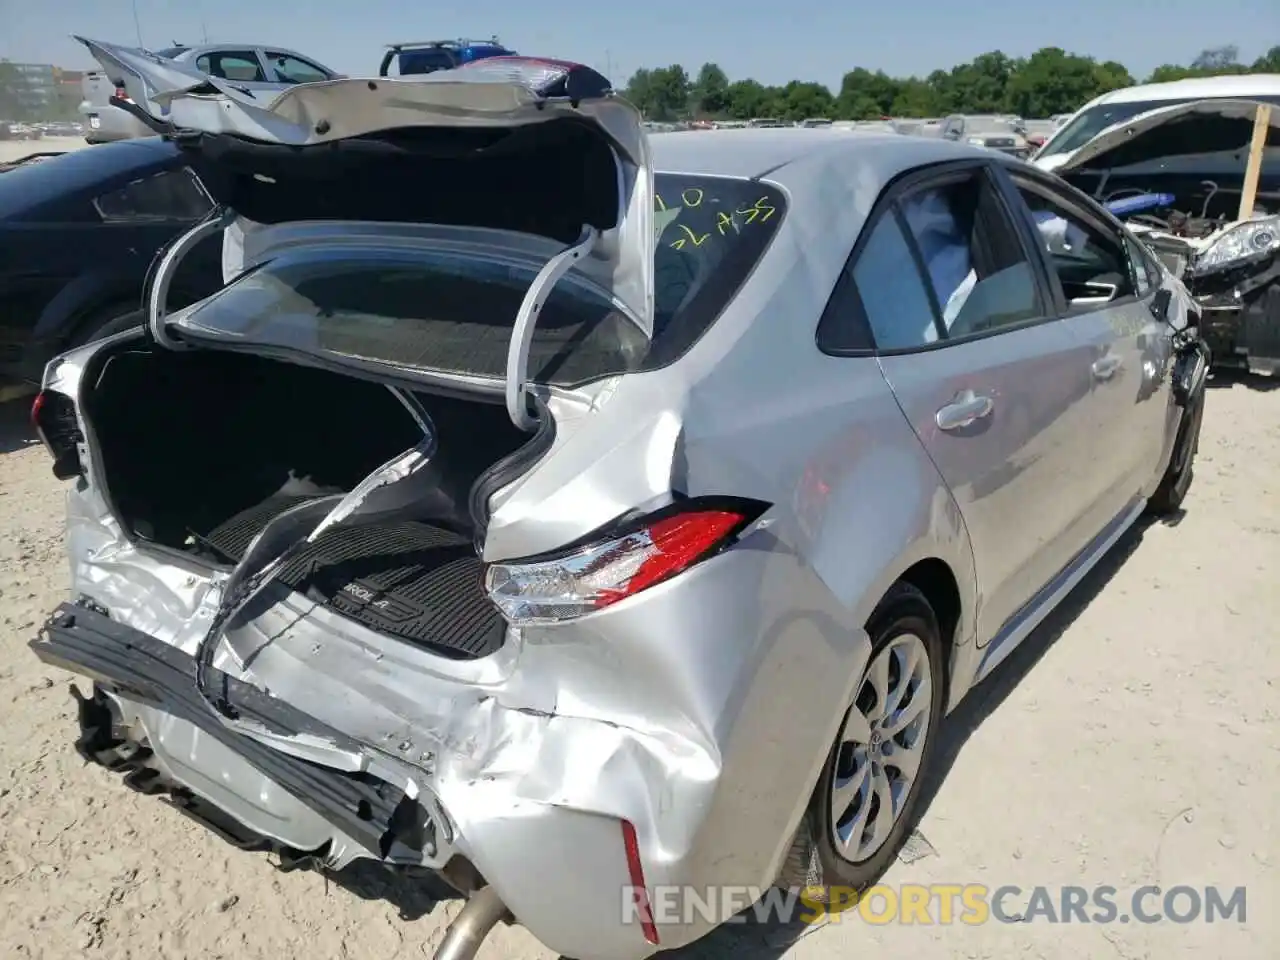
<point x="53" y="415"/>
<point x="618" y="561"/>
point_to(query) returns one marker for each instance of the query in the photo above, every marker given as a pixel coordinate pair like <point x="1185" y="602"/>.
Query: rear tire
<point x="1181" y="470"/>
<point x="106" y="321"/>
<point x="831" y="849"/>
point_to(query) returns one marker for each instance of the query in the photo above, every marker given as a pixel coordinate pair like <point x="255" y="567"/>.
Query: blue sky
<point x="771" y="41"/>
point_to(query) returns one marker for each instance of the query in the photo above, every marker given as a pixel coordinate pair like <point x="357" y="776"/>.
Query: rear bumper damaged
<point x="528" y="767"/>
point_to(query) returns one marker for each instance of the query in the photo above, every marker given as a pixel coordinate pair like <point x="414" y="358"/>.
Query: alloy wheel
<point x="880" y="748"/>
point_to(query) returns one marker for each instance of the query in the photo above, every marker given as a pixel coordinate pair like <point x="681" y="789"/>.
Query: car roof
<point x="758" y="152"/>
<point x="1198" y="88"/>
<point x="31" y="186"/>
<point x="200" y="48"/>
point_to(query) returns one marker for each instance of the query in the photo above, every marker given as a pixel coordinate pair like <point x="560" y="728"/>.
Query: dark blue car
<point x="431" y="55"/>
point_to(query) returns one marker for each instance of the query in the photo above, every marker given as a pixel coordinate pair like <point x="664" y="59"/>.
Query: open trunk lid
<point x="508" y="146"/>
<point x="1199" y="127"/>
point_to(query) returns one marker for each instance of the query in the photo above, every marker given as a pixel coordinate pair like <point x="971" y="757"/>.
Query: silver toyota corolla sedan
<point x="583" y="516"/>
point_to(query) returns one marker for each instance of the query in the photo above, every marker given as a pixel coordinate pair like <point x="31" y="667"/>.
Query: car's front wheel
<point x="866" y="797"/>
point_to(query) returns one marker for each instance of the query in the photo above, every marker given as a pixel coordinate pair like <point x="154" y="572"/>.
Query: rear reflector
<point x="639" y="892"/>
<point x="620" y="563"/>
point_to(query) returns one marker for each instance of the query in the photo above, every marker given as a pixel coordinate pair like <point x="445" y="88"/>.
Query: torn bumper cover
<point x="533" y="769"/>
<point x="145" y="702"/>
<point x="147" y="674"/>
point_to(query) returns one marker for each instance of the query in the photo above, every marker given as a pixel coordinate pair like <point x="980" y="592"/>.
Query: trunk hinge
<point x="158" y="295"/>
<point x="535" y="299"/>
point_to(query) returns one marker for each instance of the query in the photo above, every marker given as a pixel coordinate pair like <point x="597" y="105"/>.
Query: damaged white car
<point x="584" y="517"/>
<point x="1176" y="173"/>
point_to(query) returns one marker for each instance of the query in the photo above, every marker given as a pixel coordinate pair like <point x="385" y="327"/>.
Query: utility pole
<point x="137" y="23"/>
<point x="608" y="65"/>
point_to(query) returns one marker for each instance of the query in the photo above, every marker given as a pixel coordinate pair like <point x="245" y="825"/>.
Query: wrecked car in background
<point x="530" y="548"/>
<point x="1181" y="169"/>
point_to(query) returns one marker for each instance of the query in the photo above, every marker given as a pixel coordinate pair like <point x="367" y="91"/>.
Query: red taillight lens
<point x="675" y="543"/>
<point x="121" y="93"/>
<point x="618" y="564"/>
<point x="53" y="416"/>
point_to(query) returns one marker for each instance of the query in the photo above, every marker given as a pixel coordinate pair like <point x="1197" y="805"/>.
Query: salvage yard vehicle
<point x="629" y="515"/>
<point x="428" y="56"/>
<point x="78" y="232"/>
<point x="110" y="115"/>
<point x="993" y="132"/>
<point x="1184" y="168"/>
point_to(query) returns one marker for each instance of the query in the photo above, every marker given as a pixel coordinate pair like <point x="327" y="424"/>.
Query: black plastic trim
<point x="140" y="667"/>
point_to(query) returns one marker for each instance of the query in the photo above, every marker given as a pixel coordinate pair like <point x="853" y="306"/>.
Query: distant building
<point x="41" y="90"/>
<point x="35" y="84"/>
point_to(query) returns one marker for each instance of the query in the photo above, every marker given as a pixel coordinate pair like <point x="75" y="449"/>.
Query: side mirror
<point x="1160" y="304"/>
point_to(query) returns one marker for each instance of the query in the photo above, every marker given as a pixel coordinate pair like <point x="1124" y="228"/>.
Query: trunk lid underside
<point x="517" y="145"/>
<point x="1201" y="127"/>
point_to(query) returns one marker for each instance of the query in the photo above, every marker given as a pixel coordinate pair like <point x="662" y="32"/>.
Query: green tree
<point x="1049" y="81"/>
<point x="798" y="100"/>
<point x="711" y="91"/>
<point x="1269" y="62"/>
<point x="747" y="99"/>
<point x="980" y="85"/>
<point x="1053" y="81"/>
<point x="865" y="95"/>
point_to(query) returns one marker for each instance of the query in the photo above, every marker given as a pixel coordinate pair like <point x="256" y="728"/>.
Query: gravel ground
<point x="1134" y="739"/>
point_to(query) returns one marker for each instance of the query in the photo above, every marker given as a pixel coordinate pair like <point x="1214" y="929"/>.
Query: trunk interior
<point x="201" y="449"/>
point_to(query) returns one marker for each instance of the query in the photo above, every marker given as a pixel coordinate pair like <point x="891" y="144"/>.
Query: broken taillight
<point x="619" y="563"/>
<point x="53" y="415"/>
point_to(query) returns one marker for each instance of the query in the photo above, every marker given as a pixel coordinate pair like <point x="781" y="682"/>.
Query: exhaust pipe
<point x="469" y="928"/>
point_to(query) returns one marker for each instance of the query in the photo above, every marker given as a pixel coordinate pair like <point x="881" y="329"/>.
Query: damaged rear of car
<point x="335" y="530"/>
<point x="1199" y="182"/>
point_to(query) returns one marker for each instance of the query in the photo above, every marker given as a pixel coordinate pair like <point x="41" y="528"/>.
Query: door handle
<point x="1104" y="368"/>
<point x="967" y="407"/>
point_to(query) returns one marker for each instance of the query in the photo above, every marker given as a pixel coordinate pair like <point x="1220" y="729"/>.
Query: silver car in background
<point x="109" y="114"/>
<point x="628" y="516"/>
<point x="1002" y="133"/>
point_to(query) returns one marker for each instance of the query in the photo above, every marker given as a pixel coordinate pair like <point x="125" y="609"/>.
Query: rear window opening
<point x="451" y="314"/>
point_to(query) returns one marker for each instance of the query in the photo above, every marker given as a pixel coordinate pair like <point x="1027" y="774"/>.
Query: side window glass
<point x="1142" y="283"/>
<point x="1144" y="260"/>
<point x="980" y="275"/>
<point x="171" y="195"/>
<point x="291" y="69"/>
<point x="893" y="294"/>
<point x="241" y="65"/>
<point x="425" y="61"/>
<point x="1091" y="265"/>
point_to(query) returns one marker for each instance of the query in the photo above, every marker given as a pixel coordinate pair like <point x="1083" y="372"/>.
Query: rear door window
<point x="240" y="65"/>
<point x="291" y="69"/>
<point x="170" y="195"/>
<point x="943" y="262"/>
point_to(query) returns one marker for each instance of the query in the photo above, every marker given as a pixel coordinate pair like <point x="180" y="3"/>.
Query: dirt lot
<point x="11" y="150"/>
<point x="1134" y="739"/>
